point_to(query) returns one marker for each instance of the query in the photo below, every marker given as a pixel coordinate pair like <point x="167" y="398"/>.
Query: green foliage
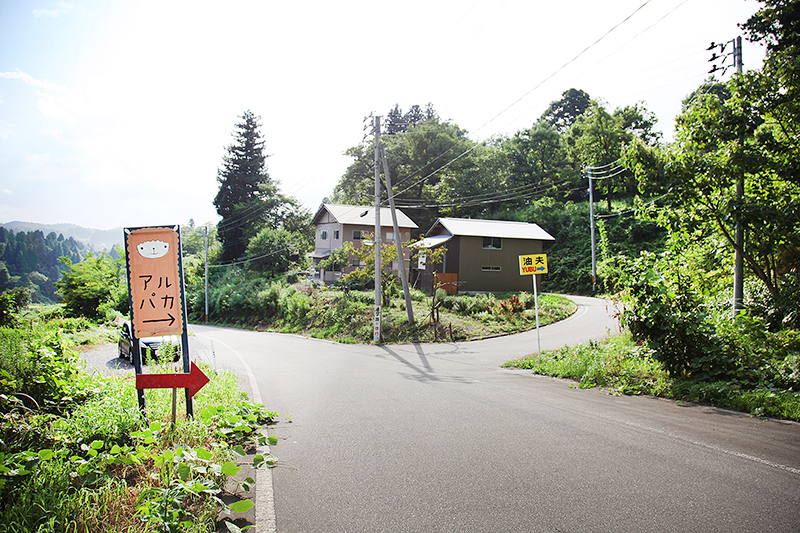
<point x="623" y="366"/>
<point x="660" y="308"/>
<point x="569" y="256"/>
<point x="100" y="467"/>
<point x="94" y="288"/>
<point x="249" y="200"/>
<point x="29" y="260"/>
<point x="561" y="114"/>
<point x="275" y="251"/>
<point x="11" y="303"/>
<point x="619" y="364"/>
<point x="35" y="364"/>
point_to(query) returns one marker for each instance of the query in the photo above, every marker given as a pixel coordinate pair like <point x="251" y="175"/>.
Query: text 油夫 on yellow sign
<point x="532" y="264"/>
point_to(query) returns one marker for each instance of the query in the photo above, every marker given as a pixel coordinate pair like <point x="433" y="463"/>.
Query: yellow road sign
<point x="532" y="264"/>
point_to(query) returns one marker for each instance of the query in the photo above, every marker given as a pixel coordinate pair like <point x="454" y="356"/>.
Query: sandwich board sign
<point x="158" y="304"/>
<point x="155" y="281"/>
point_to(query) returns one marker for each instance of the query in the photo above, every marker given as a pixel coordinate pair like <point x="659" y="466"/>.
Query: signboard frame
<point x="165" y="261"/>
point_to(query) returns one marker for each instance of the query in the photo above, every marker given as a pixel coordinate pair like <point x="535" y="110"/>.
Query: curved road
<point x="437" y="438"/>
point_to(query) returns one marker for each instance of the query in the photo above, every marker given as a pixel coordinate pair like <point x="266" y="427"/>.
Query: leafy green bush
<point x="11" y="302"/>
<point x="661" y="309"/>
<point x="294" y="306"/>
<point x="37" y="364"/>
<point x="619" y="364"/>
<point x="93" y="288"/>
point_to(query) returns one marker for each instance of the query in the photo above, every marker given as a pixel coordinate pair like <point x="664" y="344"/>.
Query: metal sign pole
<point x="536" y="307"/>
<point x="532" y="265"/>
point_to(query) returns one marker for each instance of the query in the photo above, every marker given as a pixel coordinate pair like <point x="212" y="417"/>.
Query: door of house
<point x="449" y="282"/>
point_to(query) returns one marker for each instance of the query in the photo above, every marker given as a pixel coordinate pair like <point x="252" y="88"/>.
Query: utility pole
<point x="738" y="248"/>
<point x="591" y="224"/>
<point x="377" y="240"/>
<point x="205" y="240"/>
<point x="400" y="257"/>
<point x="738" y="260"/>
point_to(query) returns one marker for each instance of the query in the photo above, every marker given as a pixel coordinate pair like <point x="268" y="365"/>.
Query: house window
<point x="357" y="235"/>
<point x="490" y="268"/>
<point x="389" y="236"/>
<point x="323" y="235"/>
<point x="492" y="243"/>
<point x="336" y="234"/>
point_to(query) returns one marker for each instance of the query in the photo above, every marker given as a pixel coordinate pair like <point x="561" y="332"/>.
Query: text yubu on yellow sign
<point x="532" y="264"/>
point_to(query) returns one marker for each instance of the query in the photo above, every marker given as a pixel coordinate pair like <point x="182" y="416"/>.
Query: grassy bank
<point x="347" y="316"/>
<point x="77" y="455"/>
<point x="621" y="366"/>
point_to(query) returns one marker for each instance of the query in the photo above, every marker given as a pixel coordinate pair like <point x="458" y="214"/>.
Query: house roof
<point x="489" y="228"/>
<point x="361" y="215"/>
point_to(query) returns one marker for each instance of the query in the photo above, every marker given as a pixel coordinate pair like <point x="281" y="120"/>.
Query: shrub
<point x="660" y="309"/>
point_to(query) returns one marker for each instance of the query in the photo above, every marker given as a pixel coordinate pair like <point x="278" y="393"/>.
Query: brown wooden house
<point x="482" y="255"/>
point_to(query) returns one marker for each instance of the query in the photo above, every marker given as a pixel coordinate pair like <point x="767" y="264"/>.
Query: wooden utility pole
<point x="377" y="239"/>
<point x="400" y="257"/>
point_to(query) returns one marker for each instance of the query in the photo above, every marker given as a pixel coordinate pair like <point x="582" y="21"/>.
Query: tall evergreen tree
<point x="246" y="192"/>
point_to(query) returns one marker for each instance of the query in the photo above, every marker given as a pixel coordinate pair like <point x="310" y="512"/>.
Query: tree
<point x="597" y="138"/>
<point x="247" y="194"/>
<point x="563" y="113"/>
<point x="93" y="287"/>
<point x="539" y="162"/>
<point x="394" y="122"/>
<point x="719" y="140"/>
<point x="427" y="154"/>
<point x="274" y="251"/>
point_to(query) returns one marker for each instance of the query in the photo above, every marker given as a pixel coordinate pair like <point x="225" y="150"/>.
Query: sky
<point x="118" y="113"/>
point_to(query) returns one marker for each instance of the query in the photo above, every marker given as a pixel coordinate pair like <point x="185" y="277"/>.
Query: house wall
<point x="472" y="257"/>
<point x="330" y="243"/>
<point x="327" y="240"/>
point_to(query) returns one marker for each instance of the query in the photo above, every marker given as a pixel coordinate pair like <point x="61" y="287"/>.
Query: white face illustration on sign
<point x="153" y="249"/>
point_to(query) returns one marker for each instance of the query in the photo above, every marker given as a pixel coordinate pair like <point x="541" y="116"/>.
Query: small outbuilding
<point x="481" y="256"/>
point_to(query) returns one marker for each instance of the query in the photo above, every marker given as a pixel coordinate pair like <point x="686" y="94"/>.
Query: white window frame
<point x="491" y="245"/>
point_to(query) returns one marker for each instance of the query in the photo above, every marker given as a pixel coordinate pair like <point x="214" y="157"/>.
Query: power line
<point x="247" y="260"/>
<point x="565" y="65"/>
<point x="562" y="67"/>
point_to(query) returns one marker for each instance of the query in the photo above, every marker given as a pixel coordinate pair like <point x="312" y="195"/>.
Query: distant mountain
<point x="98" y="239"/>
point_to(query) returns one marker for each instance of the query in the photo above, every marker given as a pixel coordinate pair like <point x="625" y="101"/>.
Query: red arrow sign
<point x="194" y="380"/>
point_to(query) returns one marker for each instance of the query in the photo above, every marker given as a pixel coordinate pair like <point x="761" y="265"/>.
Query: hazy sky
<point x="117" y="113"/>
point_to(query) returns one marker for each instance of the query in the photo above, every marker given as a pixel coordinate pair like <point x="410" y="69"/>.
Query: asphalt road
<point x="437" y="438"/>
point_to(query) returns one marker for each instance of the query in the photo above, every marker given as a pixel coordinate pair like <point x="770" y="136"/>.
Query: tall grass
<point x="624" y="367"/>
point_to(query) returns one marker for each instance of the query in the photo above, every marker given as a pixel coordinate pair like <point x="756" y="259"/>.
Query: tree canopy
<point x="248" y="199"/>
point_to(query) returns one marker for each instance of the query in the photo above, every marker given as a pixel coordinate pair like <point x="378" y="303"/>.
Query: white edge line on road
<point x="702" y="444"/>
<point x="265" y="497"/>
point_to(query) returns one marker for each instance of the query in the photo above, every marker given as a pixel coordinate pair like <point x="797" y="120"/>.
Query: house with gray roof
<point x="336" y="224"/>
<point x="481" y="256"/>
